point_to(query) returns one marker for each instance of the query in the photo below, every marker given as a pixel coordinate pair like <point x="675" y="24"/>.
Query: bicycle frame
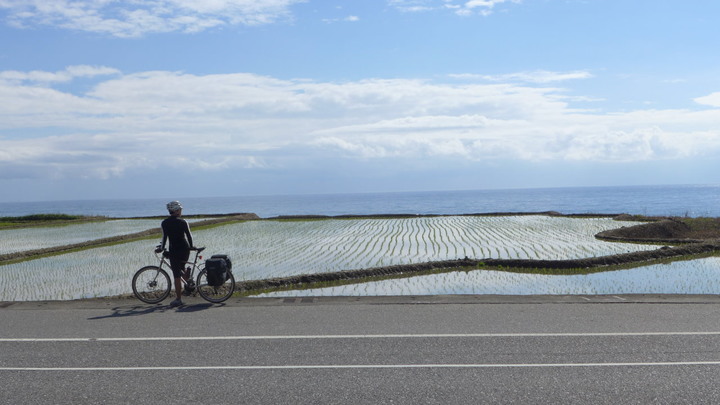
<point x="191" y="265"/>
<point x="152" y="284"/>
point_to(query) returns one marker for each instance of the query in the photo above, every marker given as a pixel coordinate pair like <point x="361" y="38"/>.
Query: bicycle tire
<point x="215" y="294"/>
<point x="151" y="284"/>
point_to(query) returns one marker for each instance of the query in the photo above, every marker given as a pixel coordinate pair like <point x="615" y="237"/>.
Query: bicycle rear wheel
<point x="151" y="284"/>
<point x="215" y="293"/>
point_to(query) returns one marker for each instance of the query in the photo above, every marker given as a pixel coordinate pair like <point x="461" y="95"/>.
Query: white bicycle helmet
<point x="174" y="206"/>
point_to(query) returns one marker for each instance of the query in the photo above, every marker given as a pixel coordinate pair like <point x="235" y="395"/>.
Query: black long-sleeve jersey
<point x="177" y="232"/>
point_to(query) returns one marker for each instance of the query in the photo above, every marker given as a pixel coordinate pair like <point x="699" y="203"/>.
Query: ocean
<point x="664" y="200"/>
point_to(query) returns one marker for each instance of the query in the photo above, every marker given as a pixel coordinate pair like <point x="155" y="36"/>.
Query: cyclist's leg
<point x="178" y="288"/>
<point x="177" y="264"/>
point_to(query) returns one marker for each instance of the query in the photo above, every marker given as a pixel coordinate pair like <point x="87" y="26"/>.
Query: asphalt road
<point x="371" y="350"/>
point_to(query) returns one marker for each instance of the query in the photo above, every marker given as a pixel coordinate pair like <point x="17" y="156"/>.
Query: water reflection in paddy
<point x="700" y="276"/>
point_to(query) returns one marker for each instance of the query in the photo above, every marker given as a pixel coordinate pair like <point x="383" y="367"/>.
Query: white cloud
<point x="130" y="18"/>
<point x="413" y="6"/>
<point x="350" y="18"/>
<point x="211" y="122"/>
<point x="66" y="75"/>
<point x="482" y="7"/>
<point x="463" y="8"/>
<point x="486" y="3"/>
<point x="127" y="18"/>
<point x="712" y="100"/>
<point x="538" y="76"/>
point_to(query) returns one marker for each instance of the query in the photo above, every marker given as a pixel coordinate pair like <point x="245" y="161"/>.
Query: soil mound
<point x="668" y="231"/>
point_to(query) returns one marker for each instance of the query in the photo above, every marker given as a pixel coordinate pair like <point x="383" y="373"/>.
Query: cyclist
<point x="177" y="231"/>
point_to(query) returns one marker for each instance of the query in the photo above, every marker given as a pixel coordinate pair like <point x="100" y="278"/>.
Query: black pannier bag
<point x="228" y="263"/>
<point x="217" y="269"/>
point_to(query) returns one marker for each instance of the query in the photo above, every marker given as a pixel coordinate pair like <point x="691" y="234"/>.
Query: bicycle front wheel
<point x="151" y="284"/>
<point x="215" y="293"/>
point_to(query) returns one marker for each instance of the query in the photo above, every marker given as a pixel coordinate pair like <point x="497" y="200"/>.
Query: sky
<point x="109" y="99"/>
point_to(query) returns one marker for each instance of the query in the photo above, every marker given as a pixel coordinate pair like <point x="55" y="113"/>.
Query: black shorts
<point x="178" y="260"/>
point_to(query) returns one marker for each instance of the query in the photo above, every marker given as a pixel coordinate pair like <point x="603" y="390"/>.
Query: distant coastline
<point x="669" y="200"/>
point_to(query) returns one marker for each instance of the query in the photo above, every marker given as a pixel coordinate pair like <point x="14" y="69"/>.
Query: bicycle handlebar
<point x="199" y="249"/>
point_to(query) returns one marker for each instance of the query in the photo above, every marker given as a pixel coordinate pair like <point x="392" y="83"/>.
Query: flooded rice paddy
<point x="32" y="238"/>
<point x="266" y="249"/>
<point x="699" y="276"/>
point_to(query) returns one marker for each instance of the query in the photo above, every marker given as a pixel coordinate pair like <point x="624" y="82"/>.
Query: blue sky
<point x="180" y="98"/>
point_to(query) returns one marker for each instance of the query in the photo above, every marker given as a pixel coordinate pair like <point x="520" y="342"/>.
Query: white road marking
<point x="367" y="366"/>
<point x="381" y="336"/>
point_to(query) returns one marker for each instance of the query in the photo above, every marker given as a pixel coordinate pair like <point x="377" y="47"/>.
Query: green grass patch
<point x="699" y="224"/>
<point x="42" y="217"/>
<point x="35" y="220"/>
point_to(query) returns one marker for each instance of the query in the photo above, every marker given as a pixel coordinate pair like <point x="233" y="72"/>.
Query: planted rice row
<point x="265" y="249"/>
